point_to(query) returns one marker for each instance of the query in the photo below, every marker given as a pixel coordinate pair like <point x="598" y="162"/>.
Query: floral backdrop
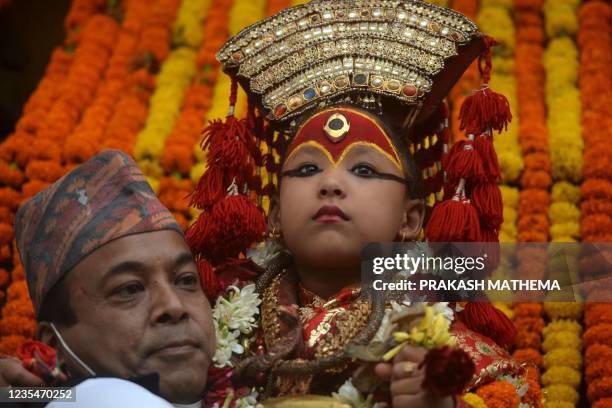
<point x="141" y="76"/>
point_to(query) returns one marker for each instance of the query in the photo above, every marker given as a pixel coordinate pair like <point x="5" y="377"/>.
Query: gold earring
<point x="275" y="234"/>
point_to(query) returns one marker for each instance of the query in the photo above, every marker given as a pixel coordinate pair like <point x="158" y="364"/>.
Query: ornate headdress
<point x="397" y="58"/>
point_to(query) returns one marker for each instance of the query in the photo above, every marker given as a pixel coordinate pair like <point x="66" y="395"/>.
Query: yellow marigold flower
<point x="558" y="404"/>
<point x="560" y="392"/>
<point x="561" y="340"/>
<point x="441" y="3"/>
<point x="564" y="191"/>
<point x="474" y="400"/>
<point x="196" y="172"/>
<point x="562" y="375"/>
<point x="511" y="164"/>
<point x="154" y="182"/>
<point x="174" y="77"/>
<point x="505" y="308"/>
<point x="510" y="196"/>
<point x="188" y="26"/>
<point x="565" y="357"/>
<point x="561" y="19"/>
<point x="151" y="168"/>
<point x="510" y="215"/>
<point x="497" y="22"/>
<point x="499" y="3"/>
<point x="560" y="212"/>
<point x="562" y="325"/>
<point x="506" y="238"/>
<point x="565" y="231"/>
<point x="199" y="153"/>
<point x="563" y="310"/>
<point x="503" y="65"/>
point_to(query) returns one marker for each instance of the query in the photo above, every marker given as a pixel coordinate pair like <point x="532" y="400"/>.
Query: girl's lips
<point x="330" y="213"/>
<point x="329" y="218"/>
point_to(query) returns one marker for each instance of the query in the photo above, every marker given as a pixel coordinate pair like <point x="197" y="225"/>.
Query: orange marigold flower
<point x="500" y="394"/>
<point x="601" y="333"/>
<point x="19" y="325"/>
<point x="529" y="356"/>
<point x="600" y="388"/>
<point x="9" y="344"/>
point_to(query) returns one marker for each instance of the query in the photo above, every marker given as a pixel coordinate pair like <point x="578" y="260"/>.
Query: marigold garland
<point x="177" y="158"/>
<point x="596" y="225"/>
<point x="49" y="117"/>
<point x="87" y="138"/>
<point x="152" y="49"/>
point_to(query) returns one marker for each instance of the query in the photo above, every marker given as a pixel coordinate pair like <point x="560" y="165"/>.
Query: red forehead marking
<point x="364" y="131"/>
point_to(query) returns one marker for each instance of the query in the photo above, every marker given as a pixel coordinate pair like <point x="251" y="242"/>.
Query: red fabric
<point x="490" y="359"/>
<point x="362" y="129"/>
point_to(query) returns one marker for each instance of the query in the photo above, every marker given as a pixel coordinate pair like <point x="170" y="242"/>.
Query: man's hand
<point x="13" y="373"/>
<point x="406" y="379"/>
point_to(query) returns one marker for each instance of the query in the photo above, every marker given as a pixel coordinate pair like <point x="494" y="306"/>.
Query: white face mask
<point x="70" y="352"/>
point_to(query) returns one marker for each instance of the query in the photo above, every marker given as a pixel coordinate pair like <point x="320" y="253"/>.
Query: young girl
<point x="348" y="90"/>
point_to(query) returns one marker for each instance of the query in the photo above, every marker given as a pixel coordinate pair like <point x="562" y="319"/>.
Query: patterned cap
<point x="104" y="199"/>
<point x="314" y="53"/>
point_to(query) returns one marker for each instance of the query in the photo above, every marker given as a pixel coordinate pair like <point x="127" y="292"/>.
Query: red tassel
<point x="210" y="188"/>
<point x="484" y="318"/>
<point x="228" y="229"/>
<point x="229" y="144"/>
<point x="484" y="146"/>
<point x="463" y="162"/>
<point x="208" y="280"/>
<point x="487" y="199"/>
<point x="485" y="110"/>
<point x="453" y="221"/>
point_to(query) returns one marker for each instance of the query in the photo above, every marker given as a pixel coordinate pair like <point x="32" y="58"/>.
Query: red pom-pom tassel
<point x="484" y="318"/>
<point x="490" y="164"/>
<point x="487" y="199"/>
<point x="453" y="220"/>
<point x="208" y="280"/>
<point x="210" y="188"/>
<point x="485" y="110"/>
<point x="230" y="227"/>
<point x="463" y="162"/>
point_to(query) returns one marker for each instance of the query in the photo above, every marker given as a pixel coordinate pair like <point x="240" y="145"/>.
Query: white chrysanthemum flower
<point x="227" y="343"/>
<point x="443" y="309"/>
<point x="348" y="394"/>
<point x="264" y="252"/>
<point x="238" y="311"/>
<point x="250" y="401"/>
<point x="521" y="386"/>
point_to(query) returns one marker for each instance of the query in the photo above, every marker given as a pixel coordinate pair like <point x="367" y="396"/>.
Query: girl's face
<point x="328" y="210"/>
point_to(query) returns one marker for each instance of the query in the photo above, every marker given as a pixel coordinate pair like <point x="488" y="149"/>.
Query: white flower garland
<point x="234" y="315"/>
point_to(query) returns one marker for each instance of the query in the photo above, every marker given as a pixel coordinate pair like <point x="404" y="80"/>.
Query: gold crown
<point x="322" y="50"/>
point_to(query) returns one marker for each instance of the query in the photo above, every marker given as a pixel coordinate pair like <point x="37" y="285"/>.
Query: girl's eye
<point x="305" y="170"/>
<point x="364" y="170"/>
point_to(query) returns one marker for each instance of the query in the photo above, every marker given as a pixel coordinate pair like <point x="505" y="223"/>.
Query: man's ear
<point x="414" y="215"/>
<point x="45" y="334"/>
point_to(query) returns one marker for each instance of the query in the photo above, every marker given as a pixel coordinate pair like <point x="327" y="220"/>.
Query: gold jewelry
<point x="409" y="367"/>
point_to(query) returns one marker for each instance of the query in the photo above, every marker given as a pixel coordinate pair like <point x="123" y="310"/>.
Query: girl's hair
<point x="414" y="179"/>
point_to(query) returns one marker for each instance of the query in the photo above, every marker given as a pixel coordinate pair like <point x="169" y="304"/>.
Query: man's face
<point x="140" y="309"/>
